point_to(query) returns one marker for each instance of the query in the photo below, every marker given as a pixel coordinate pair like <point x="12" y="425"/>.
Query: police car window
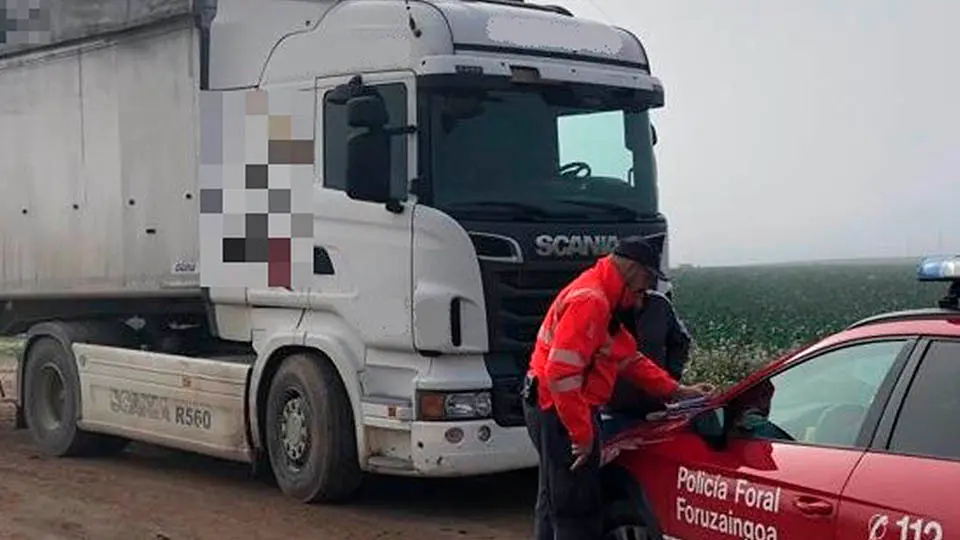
<point x="927" y="423"/>
<point x="336" y="132"/>
<point x="821" y="401"/>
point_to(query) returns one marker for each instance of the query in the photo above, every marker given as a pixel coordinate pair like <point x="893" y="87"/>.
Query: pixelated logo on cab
<point x="256" y="189"/>
<point x="24" y="22"/>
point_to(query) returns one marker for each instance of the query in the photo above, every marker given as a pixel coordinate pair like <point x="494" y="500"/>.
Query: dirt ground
<point x="158" y="494"/>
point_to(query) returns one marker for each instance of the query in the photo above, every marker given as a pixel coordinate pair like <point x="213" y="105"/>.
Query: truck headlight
<point x="438" y="406"/>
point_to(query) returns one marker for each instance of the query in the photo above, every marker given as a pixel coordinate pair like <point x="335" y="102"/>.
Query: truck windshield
<point x="538" y="153"/>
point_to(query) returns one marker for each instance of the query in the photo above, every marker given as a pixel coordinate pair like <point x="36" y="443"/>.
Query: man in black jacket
<point x="663" y="338"/>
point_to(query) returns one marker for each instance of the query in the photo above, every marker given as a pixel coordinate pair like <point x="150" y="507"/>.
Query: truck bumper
<point x="452" y="449"/>
<point x="483" y="447"/>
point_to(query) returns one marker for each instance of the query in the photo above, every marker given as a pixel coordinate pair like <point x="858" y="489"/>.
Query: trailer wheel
<point x="52" y="401"/>
<point x="310" y="432"/>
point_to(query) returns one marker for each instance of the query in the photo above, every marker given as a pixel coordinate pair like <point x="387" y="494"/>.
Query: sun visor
<point x="504" y="29"/>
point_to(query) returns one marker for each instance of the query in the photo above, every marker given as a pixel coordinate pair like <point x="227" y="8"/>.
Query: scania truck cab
<point x="467" y="158"/>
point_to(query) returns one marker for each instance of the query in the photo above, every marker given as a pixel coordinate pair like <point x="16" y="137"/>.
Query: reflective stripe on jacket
<point x="576" y="360"/>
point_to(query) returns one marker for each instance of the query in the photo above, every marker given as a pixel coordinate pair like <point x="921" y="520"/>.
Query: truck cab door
<point x="362" y="253"/>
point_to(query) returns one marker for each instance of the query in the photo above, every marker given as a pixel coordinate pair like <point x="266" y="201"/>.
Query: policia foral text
<point x="581" y="349"/>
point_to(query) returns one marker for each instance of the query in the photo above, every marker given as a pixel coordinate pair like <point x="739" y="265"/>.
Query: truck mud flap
<point x="18" y="414"/>
<point x="4" y="398"/>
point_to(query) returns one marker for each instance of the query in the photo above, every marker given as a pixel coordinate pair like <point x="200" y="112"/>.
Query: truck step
<point x="386" y="463"/>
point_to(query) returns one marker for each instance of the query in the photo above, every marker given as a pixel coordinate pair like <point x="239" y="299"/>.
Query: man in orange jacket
<point x="581" y="349"/>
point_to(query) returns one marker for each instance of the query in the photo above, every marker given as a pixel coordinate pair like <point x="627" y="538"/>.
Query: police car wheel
<point x="51" y="401"/>
<point x="310" y="433"/>
<point x="622" y="522"/>
<point x="628" y="532"/>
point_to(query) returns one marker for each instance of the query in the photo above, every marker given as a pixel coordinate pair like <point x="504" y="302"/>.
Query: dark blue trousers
<point x="569" y="503"/>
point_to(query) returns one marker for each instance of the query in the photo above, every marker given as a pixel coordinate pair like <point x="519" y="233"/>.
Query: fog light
<point x="453" y="435"/>
<point x="483" y="433"/>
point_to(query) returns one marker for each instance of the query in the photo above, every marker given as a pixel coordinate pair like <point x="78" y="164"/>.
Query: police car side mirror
<point x="713" y="427"/>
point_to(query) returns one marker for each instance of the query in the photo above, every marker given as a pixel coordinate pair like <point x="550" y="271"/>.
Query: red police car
<point x="856" y="437"/>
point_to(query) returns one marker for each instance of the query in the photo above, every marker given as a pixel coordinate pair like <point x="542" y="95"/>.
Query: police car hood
<point x="657" y="428"/>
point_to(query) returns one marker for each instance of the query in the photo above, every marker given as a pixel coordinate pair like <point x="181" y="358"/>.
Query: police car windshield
<point x="563" y="152"/>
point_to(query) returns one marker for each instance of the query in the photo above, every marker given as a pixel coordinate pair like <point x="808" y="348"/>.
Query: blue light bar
<point x="939" y="269"/>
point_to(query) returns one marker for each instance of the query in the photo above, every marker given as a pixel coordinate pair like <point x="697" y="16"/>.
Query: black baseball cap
<point x="638" y="250"/>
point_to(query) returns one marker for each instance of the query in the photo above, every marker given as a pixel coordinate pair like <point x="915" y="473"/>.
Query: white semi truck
<point x="465" y="159"/>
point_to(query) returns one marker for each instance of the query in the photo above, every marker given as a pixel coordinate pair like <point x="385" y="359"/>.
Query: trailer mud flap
<point x="8" y="398"/>
<point x="4" y="397"/>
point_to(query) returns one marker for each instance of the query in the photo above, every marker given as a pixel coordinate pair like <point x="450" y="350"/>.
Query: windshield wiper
<point x="620" y="210"/>
<point x="513" y="208"/>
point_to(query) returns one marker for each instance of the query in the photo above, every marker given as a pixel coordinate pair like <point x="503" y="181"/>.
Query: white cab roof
<point x="260" y="41"/>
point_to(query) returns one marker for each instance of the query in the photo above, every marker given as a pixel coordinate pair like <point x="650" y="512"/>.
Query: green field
<point x="740" y="316"/>
<point x="8" y="347"/>
<point x="743" y="315"/>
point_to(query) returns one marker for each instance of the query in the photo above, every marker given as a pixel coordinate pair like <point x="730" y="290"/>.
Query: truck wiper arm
<point x="619" y="209"/>
<point x="514" y="208"/>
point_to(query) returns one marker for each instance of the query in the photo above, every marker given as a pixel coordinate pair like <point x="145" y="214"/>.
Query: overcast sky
<point x="805" y="130"/>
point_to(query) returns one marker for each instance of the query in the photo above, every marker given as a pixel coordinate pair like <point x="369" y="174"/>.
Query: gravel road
<point x="158" y="494"/>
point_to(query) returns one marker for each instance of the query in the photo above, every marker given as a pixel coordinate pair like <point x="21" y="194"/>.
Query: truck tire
<point x="310" y="432"/>
<point x="52" y="404"/>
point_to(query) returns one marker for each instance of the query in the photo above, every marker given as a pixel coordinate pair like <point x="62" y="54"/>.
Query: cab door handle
<point x="813" y="506"/>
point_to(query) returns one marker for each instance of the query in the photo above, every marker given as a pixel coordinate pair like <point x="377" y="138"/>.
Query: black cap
<point x="638" y="250"/>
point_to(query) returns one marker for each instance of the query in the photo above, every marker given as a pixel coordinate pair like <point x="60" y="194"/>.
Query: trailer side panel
<point x="98" y="153"/>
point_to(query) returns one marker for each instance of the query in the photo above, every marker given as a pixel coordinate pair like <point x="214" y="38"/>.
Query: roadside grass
<point x="9" y="348"/>
<point x="743" y="317"/>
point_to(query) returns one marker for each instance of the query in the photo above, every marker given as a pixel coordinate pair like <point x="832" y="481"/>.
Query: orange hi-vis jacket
<point x="576" y="361"/>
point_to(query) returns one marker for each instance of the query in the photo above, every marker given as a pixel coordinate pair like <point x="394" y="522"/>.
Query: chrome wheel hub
<point x="294" y="432"/>
<point x="54" y="398"/>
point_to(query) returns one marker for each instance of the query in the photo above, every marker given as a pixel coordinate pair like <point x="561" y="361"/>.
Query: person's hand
<point x="705" y="389"/>
<point x="580" y="454"/>
<point x="698" y="390"/>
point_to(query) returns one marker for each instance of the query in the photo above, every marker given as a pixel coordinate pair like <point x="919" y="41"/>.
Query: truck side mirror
<point x="368" y="152"/>
<point x="367" y="112"/>
<point x="368" y="166"/>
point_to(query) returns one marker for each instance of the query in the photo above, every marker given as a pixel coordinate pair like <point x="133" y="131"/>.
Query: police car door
<point x="798" y="435"/>
<point x="907" y="486"/>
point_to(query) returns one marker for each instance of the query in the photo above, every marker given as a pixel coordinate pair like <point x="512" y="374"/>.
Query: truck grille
<point x="517" y="298"/>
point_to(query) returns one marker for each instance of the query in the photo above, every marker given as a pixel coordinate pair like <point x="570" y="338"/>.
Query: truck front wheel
<point x="310" y="432"/>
